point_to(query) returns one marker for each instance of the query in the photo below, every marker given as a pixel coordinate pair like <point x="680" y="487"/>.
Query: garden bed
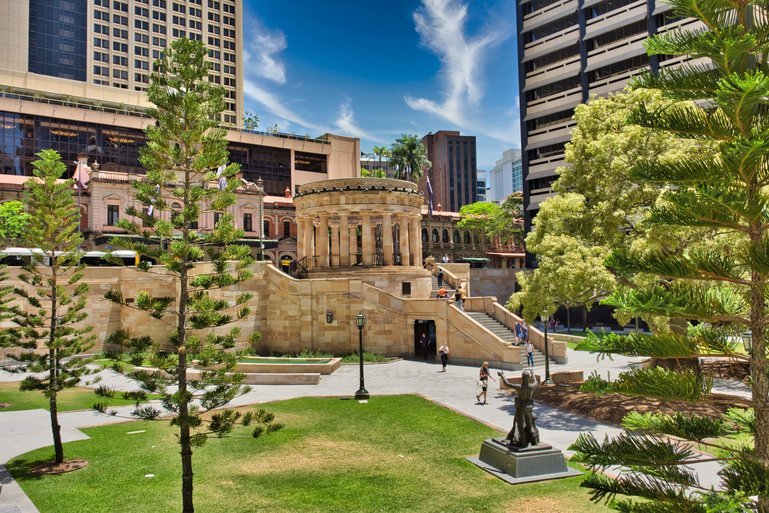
<point x="611" y="408"/>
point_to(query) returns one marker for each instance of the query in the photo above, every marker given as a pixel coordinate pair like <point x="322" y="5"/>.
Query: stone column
<point x="353" y="230"/>
<point x="368" y="242"/>
<point x="405" y="240"/>
<point x="309" y="242"/>
<point x="300" y="251"/>
<point x="387" y="238"/>
<point x="415" y="236"/>
<point x="321" y="241"/>
<point x="344" y="241"/>
<point x="334" y="224"/>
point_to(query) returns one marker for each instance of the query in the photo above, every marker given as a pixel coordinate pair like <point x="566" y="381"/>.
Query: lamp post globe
<point x="360" y="321"/>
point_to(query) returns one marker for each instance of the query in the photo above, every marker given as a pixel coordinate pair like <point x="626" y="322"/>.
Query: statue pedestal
<point x="534" y="463"/>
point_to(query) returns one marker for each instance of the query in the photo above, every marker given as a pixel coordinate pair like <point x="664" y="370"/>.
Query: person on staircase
<point x="521" y="332"/>
<point x="530" y="353"/>
<point x="440" y="278"/>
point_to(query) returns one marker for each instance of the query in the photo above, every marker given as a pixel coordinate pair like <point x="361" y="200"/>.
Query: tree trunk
<point x="758" y="365"/>
<point x="568" y="320"/>
<point x="184" y="414"/>
<point x="53" y="371"/>
<point x="58" y="447"/>
<point x="184" y="399"/>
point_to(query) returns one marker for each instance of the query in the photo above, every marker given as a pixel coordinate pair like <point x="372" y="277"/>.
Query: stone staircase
<point x="435" y="288"/>
<point x="505" y="334"/>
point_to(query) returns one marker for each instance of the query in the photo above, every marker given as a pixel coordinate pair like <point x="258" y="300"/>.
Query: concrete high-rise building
<point x="506" y="177"/>
<point x="571" y="50"/>
<point x="453" y="175"/>
<point x="103" y="50"/>
<point x="73" y="78"/>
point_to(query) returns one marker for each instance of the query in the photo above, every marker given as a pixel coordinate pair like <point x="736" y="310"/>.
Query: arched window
<point x="467" y="237"/>
<point x="457" y="238"/>
<point x="266" y="229"/>
<point x="476" y="240"/>
<point x="286" y="229"/>
<point x="435" y="234"/>
<point x="445" y="238"/>
<point x="424" y="234"/>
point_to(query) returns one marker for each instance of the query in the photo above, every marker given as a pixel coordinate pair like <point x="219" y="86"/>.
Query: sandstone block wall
<point x="291" y="314"/>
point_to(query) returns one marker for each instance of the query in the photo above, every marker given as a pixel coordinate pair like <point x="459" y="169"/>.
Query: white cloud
<point x="441" y="26"/>
<point x="260" y="52"/>
<point x="274" y="105"/>
<point x="346" y="123"/>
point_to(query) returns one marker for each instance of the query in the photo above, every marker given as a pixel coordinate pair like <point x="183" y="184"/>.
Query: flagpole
<point x="78" y="184"/>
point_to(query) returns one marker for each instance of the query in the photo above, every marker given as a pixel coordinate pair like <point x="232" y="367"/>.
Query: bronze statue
<point x="524" y="431"/>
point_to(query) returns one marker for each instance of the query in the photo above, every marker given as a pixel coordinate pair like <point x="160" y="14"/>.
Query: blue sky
<point x="376" y="69"/>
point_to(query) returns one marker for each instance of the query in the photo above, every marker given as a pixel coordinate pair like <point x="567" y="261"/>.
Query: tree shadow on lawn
<point x="37" y="469"/>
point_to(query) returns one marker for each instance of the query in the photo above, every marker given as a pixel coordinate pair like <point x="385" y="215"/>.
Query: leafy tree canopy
<point x="13" y="220"/>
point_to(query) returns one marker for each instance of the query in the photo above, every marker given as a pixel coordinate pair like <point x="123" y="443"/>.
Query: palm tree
<point x="410" y="157"/>
<point x="381" y="151"/>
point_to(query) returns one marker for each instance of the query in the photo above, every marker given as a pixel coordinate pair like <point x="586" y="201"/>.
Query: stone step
<point x="506" y="334"/>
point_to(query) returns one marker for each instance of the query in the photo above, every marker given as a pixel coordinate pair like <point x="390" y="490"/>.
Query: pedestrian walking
<point x="521" y="332"/>
<point x="424" y="343"/>
<point x="440" y="277"/>
<point x="443" y="351"/>
<point x="530" y="353"/>
<point x="442" y="293"/>
<point x="483" y="381"/>
<point x="459" y="301"/>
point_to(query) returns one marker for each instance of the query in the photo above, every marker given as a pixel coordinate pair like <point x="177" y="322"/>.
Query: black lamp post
<point x="546" y="318"/>
<point x="747" y="341"/>
<point x="360" y="320"/>
<point x="260" y="190"/>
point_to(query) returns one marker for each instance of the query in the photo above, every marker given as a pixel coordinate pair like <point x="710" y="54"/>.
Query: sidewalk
<point x="454" y="389"/>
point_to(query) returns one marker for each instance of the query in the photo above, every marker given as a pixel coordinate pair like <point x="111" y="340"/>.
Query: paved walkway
<point x="27" y="430"/>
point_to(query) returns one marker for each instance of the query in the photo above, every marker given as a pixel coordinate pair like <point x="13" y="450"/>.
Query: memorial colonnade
<point x="366" y="222"/>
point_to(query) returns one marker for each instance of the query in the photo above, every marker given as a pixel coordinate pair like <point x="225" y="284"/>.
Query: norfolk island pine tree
<point x="186" y="161"/>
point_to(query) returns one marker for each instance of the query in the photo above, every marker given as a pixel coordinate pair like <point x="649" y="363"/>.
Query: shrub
<point x="595" y="384"/>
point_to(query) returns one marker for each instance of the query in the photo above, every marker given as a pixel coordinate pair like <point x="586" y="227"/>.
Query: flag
<point x="222" y="179"/>
<point x="429" y="197"/>
<point x="152" y="201"/>
<point x="81" y="177"/>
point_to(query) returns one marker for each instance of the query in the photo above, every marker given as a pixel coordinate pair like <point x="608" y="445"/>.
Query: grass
<point x="70" y="399"/>
<point x="109" y="363"/>
<point x="394" y="454"/>
<point x="577" y="333"/>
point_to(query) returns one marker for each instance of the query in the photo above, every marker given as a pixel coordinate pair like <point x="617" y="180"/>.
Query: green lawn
<point x="578" y="333"/>
<point x="76" y="398"/>
<point x="394" y="454"/>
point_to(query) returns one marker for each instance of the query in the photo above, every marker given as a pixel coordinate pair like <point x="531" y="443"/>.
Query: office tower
<point x="454" y="173"/>
<point x="481" y="185"/>
<point x="570" y="50"/>
<point x="506" y="177"/>
<point x="73" y="46"/>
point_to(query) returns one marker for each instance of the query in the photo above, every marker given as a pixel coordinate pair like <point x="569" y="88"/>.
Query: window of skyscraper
<point x="57" y="38"/>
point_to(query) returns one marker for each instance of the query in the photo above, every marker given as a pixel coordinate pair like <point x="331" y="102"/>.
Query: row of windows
<point x="550" y="120"/>
<point x="113" y="217"/>
<point x="443" y="237"/>
<point x="552" y="57"/>
<point x="545" y="151"/>
<point x="117" y="149"/>
<point x="552" y="88"/>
